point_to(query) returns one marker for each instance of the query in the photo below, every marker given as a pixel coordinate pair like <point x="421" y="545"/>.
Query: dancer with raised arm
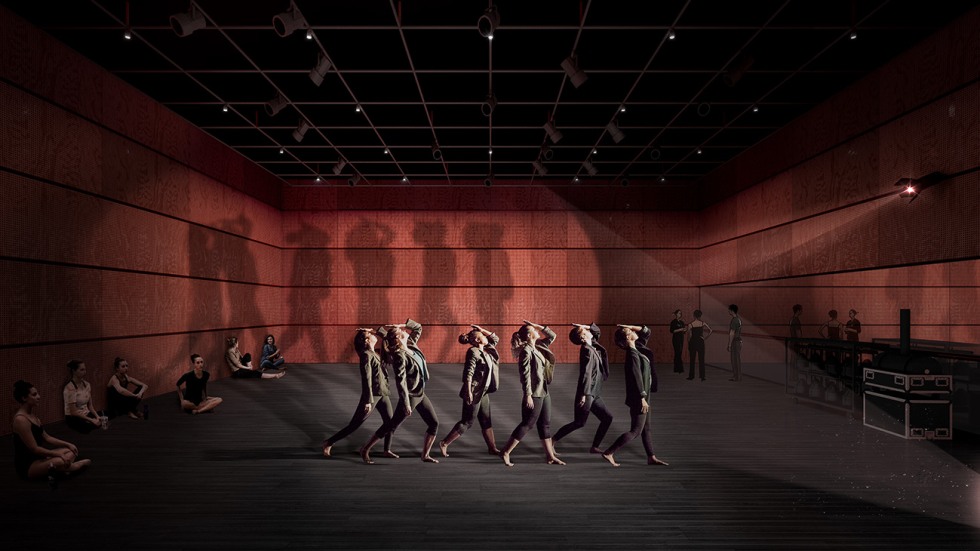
<point x="374" y="391"/>
<point x="481" y="372"/>
<point x="411" y="375"/>
<point x="593" y="366"/>
<point x="641" y="382"/>
<point x="536" y="365"/>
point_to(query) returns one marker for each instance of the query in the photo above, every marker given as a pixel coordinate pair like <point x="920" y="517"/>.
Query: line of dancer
<point x="530" y="346"/>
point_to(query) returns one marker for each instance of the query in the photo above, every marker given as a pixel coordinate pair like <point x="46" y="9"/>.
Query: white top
<point x="80" y="396"/>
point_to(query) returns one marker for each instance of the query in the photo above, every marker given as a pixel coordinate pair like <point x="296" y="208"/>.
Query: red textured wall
<point x="821" y="224"/>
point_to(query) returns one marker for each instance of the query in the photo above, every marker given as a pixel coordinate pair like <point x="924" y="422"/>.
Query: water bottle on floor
<point x="104" y="420"/>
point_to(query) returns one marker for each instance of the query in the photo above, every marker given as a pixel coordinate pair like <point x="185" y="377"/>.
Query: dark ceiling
<point x="420" y="72"/>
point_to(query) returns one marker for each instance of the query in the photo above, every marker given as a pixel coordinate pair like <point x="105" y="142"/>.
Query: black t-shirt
<point x="676" y="324"/>
<point x="196" y="388"/>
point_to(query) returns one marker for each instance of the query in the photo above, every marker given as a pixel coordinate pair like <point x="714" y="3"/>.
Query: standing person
<point x="677" y="330"/>
<point x="796" y="332"/>
<point x="411" y="375"/>
<point x="79" y="410"/>
<point x="593" y="364"/>
<point x="31" y="460"/>
<point x="194" y="398"/>
<point x="536" y="365"/>
<point x="481" y="374"/>
<point x="241" y="366"/>
<point x="698" y="332"/>
<point x="853" y="326"/>
<point x="641" y="382"/>
<point x="374" y="391"/>
<point x="831" y="329"/>
<point x="119" y="398"/>
<point x="271" y="355"/>
<point x="735" y="342"/>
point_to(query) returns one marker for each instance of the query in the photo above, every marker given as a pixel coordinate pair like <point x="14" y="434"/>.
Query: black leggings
<point x="639" y="425"/>
<point x="696" y="348"/>
<point x="383" y="405"/>
<point x="482" y="411"/>
<point x="597" y="407"/>
<point x="678" y="352"/>
<point x="420" y="404"/>
<point x="540" y="414"/>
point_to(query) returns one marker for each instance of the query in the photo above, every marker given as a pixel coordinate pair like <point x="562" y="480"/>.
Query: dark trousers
<point x="540" y="415"/>
<point x="696" y="349"/>
<point x="242" y="373"/>
<point x="420" y="404"/>
<point x="117" y="404"/>
<point x="383" y="405"/>
<point x="274" y="365"/>
<point x="482" y="411"/>
<point x="737" y="359"/>
<point x="639" y="425"/>
<point x="678" y="353"/>
<point x="597" y="407"/>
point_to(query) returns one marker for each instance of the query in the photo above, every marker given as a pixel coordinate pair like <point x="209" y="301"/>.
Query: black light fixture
<point x="488" y="22"/>
<point x="488" y="181"/>
<point x="436" y="152"/>
<point x="590" y="168"/>
<point x="553" y="132"/>
<point x="289" y="21"/>
<point x="575" y="74"/>
<point x="912" y="187"/>
<point x="741" y="66"/>
<point x="274" y="106"/>
<point x="319" y="71"/>
<point x="300" y="130"/>
<point x="488" y="105"/>
<point x="184" y="24"/>
<point x="655" y="154"/>
<point x="339" y="167"/>
<point x="354" y="180"/>
<point x="614" y="132"/>
<point x="539" y="167"/>
<point x="547" y="153"/>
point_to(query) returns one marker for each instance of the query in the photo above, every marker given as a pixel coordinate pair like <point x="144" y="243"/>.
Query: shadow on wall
<point x="492" y="280"/>
<point x="438" y="276"/>
<point x="374" y="269"/>
<point x="305" y="304"/>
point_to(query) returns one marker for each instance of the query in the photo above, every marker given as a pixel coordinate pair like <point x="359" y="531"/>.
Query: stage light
<point x="273" y="107"/>
<point x="755" y="108"/>
<point x="186" y="23"/>
<point x="738" y="70"/>
<point x="353" y="180"/>
<point x="224" y="108"/>
<point x="282" y="150"/>
<point x="671" y="35"/>
<point x="553" y="132"/>
<point x="854" y="35"/>
<point x="663" y="179"/>
<point x="318" y="179"/>
<point x="488" y="181"/>
<point x="575" y="74"/>
<point x="624" y="182"/>
<point x="698" y="151"/>
<point x="387" y="152"/>
<point x="318" y="72"/>
<point x="587" y="165"/>
<point x="614" y="132"/>
<point x="546" y="153"/>
<point x="575" y="179"/>
<point x="622" y="109"/>
<point x="487" y="23"/>
<point x="404" y="179"/>
<point x="300" y="130"/>
<point x="488" y="105"/>
<point x="357" y="108"/>
<point x="309" y="34"/>
<point x="655" y="154"/>
<point x="913" y="187"/>
<point x="128" y="34"/>
<point x="704" y="108"/>
<point x="539" y="167"/>
<point x="436" y="152"/>
<point x="339" y="167"/>
<point x="289" y="21"/>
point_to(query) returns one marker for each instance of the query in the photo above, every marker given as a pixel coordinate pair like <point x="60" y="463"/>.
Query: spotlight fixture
<point x="487" y="23"/>
<point x="488" y="105"/>
<point x="224" y="108"/>
<point x="273" y="107"/>
<point x="622" y="108"/>
<point x="282" y="150"/>
<point x="318" y="72"/>
<point x="624" y="182"/>
<point x="614" y="132"/>
<point x="354" y="180"/>
<point x="671" y="35"/>
<point x="553" y="132"/>
<point x="595" y="151"/>
<point x="289" y="21"/>
<point x="698" y="151"/>
<point x="912" y="187"/>
<point x="755" y="108"/>
<point x="309" y="34"/>
<point x="490" y="152"/>
<point x="546" y="153"/>
<point x="300" y="130"/>
<point x="741" y="66"/>
<point x="404" y="179"/>
<point x="576" y="75"/>
<point x="655" y="154"/>
<point x="488" y="181"/>
<point x="436" y="152"/>
<point x="539" y="168"/>
<point x="854" y="35"/>
<point x="387" y="152"/>
<point x="339" y="167"/>
<point x="575" y="179"/>
<point x="663" y="179"/>
<point x="587" y="165"/>
<point x="357" y="108"/>
<point x="704" y="108"/>
<point x="186" y="23"/>
<point x="318" y="179"/>
<point x="128" y="34"/>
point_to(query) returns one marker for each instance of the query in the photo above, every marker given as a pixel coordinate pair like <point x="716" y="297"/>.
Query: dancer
<point x="271" y="355"/>
<point x="481" y="372"/>
<point x="677" y="330"/>
<point x="735" y="342"/>
<point x="241" y="366"/>
<point x="31" y="459"/>
<point x="853" y="326"/>
<point x="698" y="333"/>
<point x="641" y="382"/>
<point x="119" y="398"/>
<point x="536" y="364"/>
<point x="79" y="410"/>
<point x="374" y="391"/>
<point x="831" y="329"/>
<point x="194" y="398"/>
<point x="411" y="374"/>
<point x="593" y="370"/>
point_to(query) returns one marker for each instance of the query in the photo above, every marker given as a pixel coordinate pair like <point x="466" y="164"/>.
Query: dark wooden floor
<point x="749" y="470"/>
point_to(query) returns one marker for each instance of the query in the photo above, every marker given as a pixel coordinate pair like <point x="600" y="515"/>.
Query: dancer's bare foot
<point x="79" y="465"/>
<point x="280" y="374"/>
<point x="506" y="457"/>
<point x="326" y="450"/>
<point x="391" y="454"/>
<point x="555" y="461"/>
<point x="594" y="449"/>
<point x="366" y="456"/>
<point x="444" y="448"/>
<point x="429" y="459"/>
<point x="493" y="451"/>
<point x="609" y="457"/>
<point x="652" y="460"/>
